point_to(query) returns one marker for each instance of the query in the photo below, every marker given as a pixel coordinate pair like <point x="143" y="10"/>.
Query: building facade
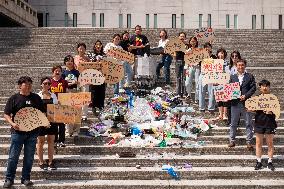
<point x="190" y="14"/>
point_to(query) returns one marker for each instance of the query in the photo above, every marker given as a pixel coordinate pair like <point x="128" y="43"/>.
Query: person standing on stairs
<point x="25" y="98"/>
<point x="47" y="98"/>
<point x="247" y="88"/>
<point x="98" y="92"/>
<point x="71" y="75"/>
<point x="265" y="124"/>
<point x="82" y="57"/>
<point x="59" y="85"/>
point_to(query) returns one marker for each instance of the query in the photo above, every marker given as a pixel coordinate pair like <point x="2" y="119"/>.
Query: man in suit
<point x="248" y="88"/>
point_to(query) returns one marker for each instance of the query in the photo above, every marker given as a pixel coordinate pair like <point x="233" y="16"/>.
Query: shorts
<point x="222" y="104"/>
<point x="264" y="130"/>
<point x="52" y="130"/>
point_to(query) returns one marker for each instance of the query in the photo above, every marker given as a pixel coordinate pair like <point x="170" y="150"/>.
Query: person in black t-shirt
<point x="25" y="98"/>
<point x="70" y="74"/>
<point x="265" y="124"/>
<point x="139" y="43"/>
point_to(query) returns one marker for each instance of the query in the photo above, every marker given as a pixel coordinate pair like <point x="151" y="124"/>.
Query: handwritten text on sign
<point x="173" y="45"/>
<point x="30" y="118"/>
<point x="195" y="56"/>
<point x="205" y="34"/>
<point x="113" y="71"/>
<point x="227" y="92"/>
<point x="63" y="114"/>
<point x="121" y="54"/>
<point x="215" y="78"/>
<point x="212" y="65"/>
<point x="74" y="99"/>
<point x="266" y="102"/>
<point x="91" y="77"/>
<point x="89" y="65"/>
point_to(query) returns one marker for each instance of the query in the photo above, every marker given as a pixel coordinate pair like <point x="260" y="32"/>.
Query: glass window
<point x="262" y="22"/>
<point x="155" y="21"/>
<point x="235" y="21"/>
<point x="46" y="19"/>
<point x="227" y="21"/>
<point x="280" y="22"/>
<point x="102" y="20"/>
<point x="94" y="23"/>
<point x="128" y="20"/>
<point x="66" y="20"/>
<point x="120" y="20"/>
<point x="253" y="22"/>
<point x="74" y="19"/>
<point x="174" y="19"/>
<point x="147" y="21"/>
<point x="200" y="20"/>
<point x="182" y="21"/>
<point x="209" y="22"/>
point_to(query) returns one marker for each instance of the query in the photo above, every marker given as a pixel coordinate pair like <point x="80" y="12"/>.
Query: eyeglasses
<point x="46" y="83"/>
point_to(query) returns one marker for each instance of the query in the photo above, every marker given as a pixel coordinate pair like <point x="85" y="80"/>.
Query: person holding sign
<point x="166" y="58"/>
<point x="247" y="88"/>
<point x="138" y="42"/>
<point x="98" y="91"/>
<point x="179" y="56"/>
<point x="192" y="71"/>
<point x="59" y="85"/>
<point x="47" y="98"/>
<point x="25" y="98"/>
<point x="265" y="124"/>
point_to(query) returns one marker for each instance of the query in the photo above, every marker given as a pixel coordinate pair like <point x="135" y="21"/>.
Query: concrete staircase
<point x="86" y="163"/>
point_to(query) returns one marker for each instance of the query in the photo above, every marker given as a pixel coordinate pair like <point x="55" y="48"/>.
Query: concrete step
<point x="157" y="184"/>
<point x="153" y="160"/>
<point x="112" y="150"/>
<point x="148" y="173"/>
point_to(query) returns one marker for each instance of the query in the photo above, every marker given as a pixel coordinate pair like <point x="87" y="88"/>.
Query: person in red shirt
<point x="59" y="85"/>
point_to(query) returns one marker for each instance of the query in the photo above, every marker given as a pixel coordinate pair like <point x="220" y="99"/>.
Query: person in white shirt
<point x="166" y="58"/>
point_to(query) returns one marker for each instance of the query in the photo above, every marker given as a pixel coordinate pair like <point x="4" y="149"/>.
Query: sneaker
<point x="270" y="166"/>
<point x="61" y="144"/>
<point x="27" y="182"/>
<point x="84" y="118"/>
<point x="43" y="167"/>
<point x="8" y="183"/>
<point x="232" y="144"/>
<point x="258" y="166"/>
<point x="52" y="166"/>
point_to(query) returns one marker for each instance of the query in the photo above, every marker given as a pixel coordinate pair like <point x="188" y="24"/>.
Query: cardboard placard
<point x="91" y="77"/>
<point x="121" y="54"/>
<point x="112" y="70"/>
<point x="89" y="65"/>
<point x="215" y="78"/>
<point x="173" y="45"/>
<point x="63" y="114"/>
<point x="30" y="118"/>
<point x="205" y="34"/>
<point x="195" y="56"/>
<point x="227" y="92"/>
<point x="75" y="99"/>
<point x="265" y="102"/>
<point x="212" y="65"/>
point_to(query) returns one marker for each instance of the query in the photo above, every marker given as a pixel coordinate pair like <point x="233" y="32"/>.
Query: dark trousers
<point x="180" y="77"/>
<point x="98" y="95"/>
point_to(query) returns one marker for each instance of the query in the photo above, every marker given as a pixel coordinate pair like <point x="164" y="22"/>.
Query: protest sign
<point x="30" y="118"/>
<point x="195" y="56"/>
<point x="227" y="92"/>
<point x="91" y="77"/>
<point x="112" y="70"/>
<point x="173" y="45"/>
<point x="89" y="65"/>
<point x="205" y="35"/>
<point x="265" y="102"/>
<point x="63" y="114"/>
<point x="74" y="99"/>
<point x="212" y="65"/>
<point x="121" y="54"/>
<point x="215" y="78"/>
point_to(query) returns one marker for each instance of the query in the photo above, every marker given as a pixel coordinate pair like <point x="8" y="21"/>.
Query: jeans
<point x="28" y="140"/>
<point x="202" y="92"/>
<point x="128" y="77"/>
<point x="166" y="62"/>
<point x="192" y="72"/>
<point x="236" y="112"/>
<point x="180" y="77"/>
